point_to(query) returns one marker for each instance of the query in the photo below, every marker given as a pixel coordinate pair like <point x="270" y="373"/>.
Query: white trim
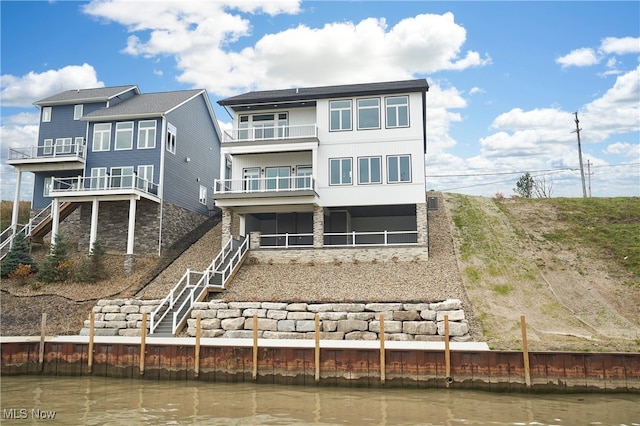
<point x="146" y="130"/>
<point x="101" y="132"/>
<point x="78" y="112"/>
<point x="115" y="139"/>
<point x="46" y="114"/>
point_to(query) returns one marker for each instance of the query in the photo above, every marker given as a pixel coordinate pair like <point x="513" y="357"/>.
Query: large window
<point x="77" y="112"/>
<point x="171" y="138"/>
<point x="122" y="177"/>
<point x="398" y="168"/>
<point x="278" y="178"/>
<point x="397" y="111"/>
<point x="124" y="136"/>
<point x="46" y="114"/>
<point x="369" y="170"/>
<point x="251" y="179"/>
<point x="101" y="137"/>
<point x="47" y="187"/>
<point x="340" y="171"/>
<point x="303" y="180"/>
<point x="47" y="149"/>
<point x="63" y="146"/>
<point x="340" y="115"/>
<point x="145" y="178"/>
<point x="98" y="178"/>
<point x="147" y="134"/>
<point x="202" y="197"/>
<point x="369" y="113"/>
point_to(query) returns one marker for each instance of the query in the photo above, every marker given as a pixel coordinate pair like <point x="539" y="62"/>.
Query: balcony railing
<point x="265" y="184"/>
<point x="270" y="133"/>
<point x="286" y="240"/>
<point x="110" y="184"/>
<point x="63" y="152"/>
<point x="382" y="238"/>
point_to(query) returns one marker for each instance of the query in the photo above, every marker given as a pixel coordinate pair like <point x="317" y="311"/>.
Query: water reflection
<point x="105" y="401"/>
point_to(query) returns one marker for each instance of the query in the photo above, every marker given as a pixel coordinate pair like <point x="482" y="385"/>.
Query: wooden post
<point x="255" y="347"/>
<point x="143" y="343"/>
<point x="43" y="326"/>
<point x="447" y="352"/>
<point x="317" y="352"/>
<point x="382" y="352"/>
<point x="525" y="352"/>
<point x="91" y="335"/>
<point x="197" y="355"/>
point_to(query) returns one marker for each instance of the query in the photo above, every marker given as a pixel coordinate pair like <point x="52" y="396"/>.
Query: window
<point x="124" y="136"/>
<point x="46" y="187"/>
<point x="340" y="171"/>
<point x="101" y="137"/>
<point x="303" y="174"/>
<point x="202" y="197"/>
<point x="79" y="145"/>
<point x="147" y="134"/>
<point x="77" y="112"/>
<point x="369" y="113"/>
<point x="369" y="170"/>
<point x="251" y="178"/>
<point x="171" y="138"/>
<point x="46" y="114"/>
<point x="397" y="111"/>
<point x="63" y="146"/>
<point x="145" y="178"/>
<point x="121" y="177"/>
<point x="98" y="178"/>
<point x="47" y="149"/>
<point x="398" y="168"/>
<point x="340" y="115"/>
<point x="243" y="127"/>
<point x="278" y="178"/>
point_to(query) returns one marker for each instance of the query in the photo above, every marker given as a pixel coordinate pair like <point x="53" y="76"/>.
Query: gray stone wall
<point x="328" y="255"/>
<point x="282" y="320"/>
<point x="337" y="321"/>
<point x="177" y="222"/>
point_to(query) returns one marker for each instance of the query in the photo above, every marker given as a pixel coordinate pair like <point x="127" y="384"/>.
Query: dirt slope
<point x="571" y="299"/>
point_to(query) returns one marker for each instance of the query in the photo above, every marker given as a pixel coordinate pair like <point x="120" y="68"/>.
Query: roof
<point x="78" y="96"/>
<point x="324" y="92"/>
<point x="144" y="105"/>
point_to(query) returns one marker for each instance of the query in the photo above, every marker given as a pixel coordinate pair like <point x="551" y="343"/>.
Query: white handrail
<point x="27" y="229"/>
<point x="170" y="300"/>
<point x="351" y="238"/>
<point x="274" y="132"/>
<point x="264" y="184"/>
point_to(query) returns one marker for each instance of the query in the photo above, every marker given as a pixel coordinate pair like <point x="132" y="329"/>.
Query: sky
<point x="506" y="78"/>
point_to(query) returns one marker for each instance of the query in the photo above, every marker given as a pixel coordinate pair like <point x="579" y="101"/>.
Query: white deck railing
<point x="264" y="184"/>
<point x="82" y="184"/>
<point x="270" y="133"/>
<point x="382" y="238"/>
<point x="71" y="151"/>
<point x="7" y="236"/>
<point x="286" y="240"/>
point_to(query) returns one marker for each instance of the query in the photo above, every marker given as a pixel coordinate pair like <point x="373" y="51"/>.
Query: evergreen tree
<point x="524" y="186"/>
<point x="56" y="266"/>
<point x="19" y="254"/>
<point x="93" y="268"/>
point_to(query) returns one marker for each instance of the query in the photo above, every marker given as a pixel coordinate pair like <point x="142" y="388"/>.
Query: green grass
<point x="6" y="209"/>
<point x="502" y="290"/>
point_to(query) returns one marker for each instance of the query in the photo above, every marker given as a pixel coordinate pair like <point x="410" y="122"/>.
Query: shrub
<point x="93" y="268"/>
<point x="21" y="274"/>
<point x="56" y="266"/>
<point x="18" y="255"/>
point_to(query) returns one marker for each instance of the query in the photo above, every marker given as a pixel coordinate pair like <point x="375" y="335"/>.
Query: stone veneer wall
<point x="282" y="320"/>
<point x="177" y="222"/>
<point x="328" y="255"/>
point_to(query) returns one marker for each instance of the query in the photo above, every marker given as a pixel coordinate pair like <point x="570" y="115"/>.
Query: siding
<point x="197" y="140"/>
<point x="62" y="124"/>
<point x="39" y="201"/>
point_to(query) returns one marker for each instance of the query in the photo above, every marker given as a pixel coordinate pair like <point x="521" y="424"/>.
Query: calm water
<point x="106" y="401"/>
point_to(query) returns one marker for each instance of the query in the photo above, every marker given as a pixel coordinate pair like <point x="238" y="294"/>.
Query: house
<point x="139" y="168"/>
<point x="326" y="167"/>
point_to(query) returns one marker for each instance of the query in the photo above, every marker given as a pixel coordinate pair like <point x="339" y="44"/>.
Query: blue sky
<point x="505" y="77"/>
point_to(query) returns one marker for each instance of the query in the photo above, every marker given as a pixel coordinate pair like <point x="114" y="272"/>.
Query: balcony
<point x="264" y="187"/>
<point x="271" y="133"/>
<point x="110" y="187"/>
<point x="66" y="156"/>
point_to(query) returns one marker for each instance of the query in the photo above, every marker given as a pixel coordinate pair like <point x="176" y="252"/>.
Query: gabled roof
<point x="144" y="105"/>
<point x="81" y="96"/>
<point x="324" y="92"/>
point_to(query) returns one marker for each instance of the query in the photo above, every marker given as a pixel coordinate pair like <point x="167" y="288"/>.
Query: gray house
<point x="137" y="168"/>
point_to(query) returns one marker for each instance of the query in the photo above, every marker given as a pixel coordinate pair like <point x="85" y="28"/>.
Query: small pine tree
<point x="19" y="254"/>
<point x="524" y="186"/>
<point x="93" y="268"/>
<point x="56" y="266"/>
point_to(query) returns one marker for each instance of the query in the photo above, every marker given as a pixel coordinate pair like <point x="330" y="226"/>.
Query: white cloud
<point x="22" y="91"/>
<point x="476" y="90"/>
<point x="624" y="149"/>
<point x="620" y="46"/>
<point x="17" y="131"/>
<point x="201" y="37"/>
<point x="578" y="58"/>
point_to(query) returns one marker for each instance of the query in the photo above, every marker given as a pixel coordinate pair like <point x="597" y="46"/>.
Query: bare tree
<point x="542" y="188"/>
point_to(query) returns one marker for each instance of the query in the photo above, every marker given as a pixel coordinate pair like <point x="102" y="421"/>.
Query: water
<point x="109" y="401"/>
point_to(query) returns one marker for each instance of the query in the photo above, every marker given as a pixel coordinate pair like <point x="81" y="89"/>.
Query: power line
<point x="529" y="171"/>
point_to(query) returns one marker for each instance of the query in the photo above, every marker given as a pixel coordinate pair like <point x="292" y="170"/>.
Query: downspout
<point x="424" y="121"/>
<point x="161" y="182"/>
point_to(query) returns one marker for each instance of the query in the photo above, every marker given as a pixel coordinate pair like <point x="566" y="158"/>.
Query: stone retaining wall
<point x="282" y="320"/>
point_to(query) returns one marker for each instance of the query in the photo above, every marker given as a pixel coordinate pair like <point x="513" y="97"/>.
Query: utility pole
<point x="584" y="188"/>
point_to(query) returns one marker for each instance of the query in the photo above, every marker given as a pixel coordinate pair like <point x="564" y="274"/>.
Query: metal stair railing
<point x="7" y="235"/>
<point x="184" y="293"/>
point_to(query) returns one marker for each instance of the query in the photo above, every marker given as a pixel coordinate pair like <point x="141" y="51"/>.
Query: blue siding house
<point x="138" y="168"/>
